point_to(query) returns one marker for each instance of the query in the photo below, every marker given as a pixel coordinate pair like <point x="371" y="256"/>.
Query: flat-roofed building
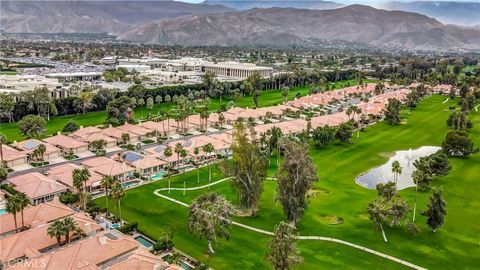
<point x="37" y="187"/>
<point x="236" y="69"/>
<point x="75" y="76"/>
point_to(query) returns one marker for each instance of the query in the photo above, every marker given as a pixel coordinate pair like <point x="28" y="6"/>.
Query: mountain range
<point x="288" y="26"/>
<point x="45" y="16"/>
<point x="209" y="23"/>
<point x="300" y="4"/>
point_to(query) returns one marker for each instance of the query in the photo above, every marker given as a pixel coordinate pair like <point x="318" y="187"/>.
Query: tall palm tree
<point x="23" y="202"/>
<point x="167" y="152"/>
<point x="208" y="149"/>
<point x="417" y="177"/>
<point x="178" y="149"/>
<point x="13" y="207"/>
<point x="183" y="155"/>
<point x="196" y="151"/>
<point x="41" y="149"/>
<point x="3" y="140"/>
<point x="397" y="170"/>
<point x="117" y="194"/>
<point x="57" y="230"/>
<point x="82" y="175"/>
<point x="69" y="225"/>
<point x="107" y="183"/>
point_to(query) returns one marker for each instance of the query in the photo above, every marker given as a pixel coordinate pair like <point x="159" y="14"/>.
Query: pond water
<point x="383" y="174"/>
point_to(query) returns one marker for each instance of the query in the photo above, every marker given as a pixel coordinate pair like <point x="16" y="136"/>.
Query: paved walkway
<point x="317" y="238"/>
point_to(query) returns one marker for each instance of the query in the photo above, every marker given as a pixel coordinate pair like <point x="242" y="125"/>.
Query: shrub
<point x="71" y="126"/>
<point x="69" y="198"/>
<point x="129" y="227"/>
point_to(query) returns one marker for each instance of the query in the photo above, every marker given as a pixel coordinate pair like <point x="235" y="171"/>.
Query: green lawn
<point x="267" y="98"/>
<point x="454" y="246"/>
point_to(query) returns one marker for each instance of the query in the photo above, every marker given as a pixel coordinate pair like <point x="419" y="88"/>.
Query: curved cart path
<point x="317" y="238"/>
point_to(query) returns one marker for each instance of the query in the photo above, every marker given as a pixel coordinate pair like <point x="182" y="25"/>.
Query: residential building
<point x="144" y="165"/>
<point x="37" y="187"/>
<point x="12" y="157"/>
<point x="35" y="241"/>
<point x="64" y="174"/>
<point x="29" y="146"/>
<point x="67" y="144"/>
<point x="32" y="215"/>
<point x="108" y="167"/>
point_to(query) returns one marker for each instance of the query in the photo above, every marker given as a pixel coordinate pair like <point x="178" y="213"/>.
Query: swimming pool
<point x="144" y="241"/>
<point x="3" y="212"/>
<point x="131" y="183"/>
<point x="158" y="175"/>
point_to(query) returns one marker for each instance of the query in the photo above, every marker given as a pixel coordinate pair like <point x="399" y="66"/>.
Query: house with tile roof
<point x="64" y="175"/>
<point x="109" y="167"/>
<point x="13" y="157"/>
<point x="29" y="145"/>
<point x="37" y="187"/>
<point x="35" y="241"/>
<point x="37" y="214"/>
<point x="67" y="144"/>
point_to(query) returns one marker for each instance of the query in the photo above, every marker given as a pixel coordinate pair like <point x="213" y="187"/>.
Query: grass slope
<point x="455" y="246"/>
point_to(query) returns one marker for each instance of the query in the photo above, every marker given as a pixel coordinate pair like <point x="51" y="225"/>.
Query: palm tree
<point x="196" y="151"/>
<point x="41" y="149"/>
<point x="167" y="152"/>
<point x="69" y="225"/>
<point x="178" y="150"/>
<point x="57" y="230"/>
<point x="82" y="175"/>
<point x="183" y="155"/>
<point x="417" y="177"/>
<point x="107" y="183"/>
<point x="208" y="149"/>
<point x="23" y="202"/>
<point x="13" y="207"/>
<point x="3" y="140"/>
<point x="397" y="170"/>
<point x="117" y="193"/>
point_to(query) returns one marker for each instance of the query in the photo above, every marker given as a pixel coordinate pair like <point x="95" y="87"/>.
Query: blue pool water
<point x="158" y="175"/>
<point x="3" y="212"/>
<point x="144" y="241"/>
<point x="115" y="226"/>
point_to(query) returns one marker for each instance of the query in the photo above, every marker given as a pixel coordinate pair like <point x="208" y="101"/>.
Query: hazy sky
<point x="340" y="1"/>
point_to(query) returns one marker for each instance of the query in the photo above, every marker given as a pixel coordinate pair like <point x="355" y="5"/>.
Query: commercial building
<point x="236" y="69"/>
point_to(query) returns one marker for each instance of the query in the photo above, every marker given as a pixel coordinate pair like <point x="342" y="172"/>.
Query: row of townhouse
<point x="30" y="247"/>
<point x="40" y="188"/>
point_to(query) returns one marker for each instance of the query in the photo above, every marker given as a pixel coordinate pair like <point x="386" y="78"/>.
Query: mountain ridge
<point x="289" y="26"/>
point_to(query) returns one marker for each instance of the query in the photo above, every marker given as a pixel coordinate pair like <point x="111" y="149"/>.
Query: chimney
<point x="87" y="228"/>
<point x="109" y="125"/>
<point x="81" y="127"/>
<point x="56" y="199"/>
<point x="53" y="184"/>
<point x="157" y="267"/>
<point x="59" y="133"/>
<point x="102" y="239"/>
